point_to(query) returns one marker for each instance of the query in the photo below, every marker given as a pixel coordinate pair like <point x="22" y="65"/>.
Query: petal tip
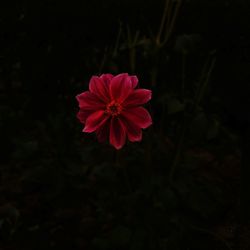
<point x="147" y="125"/>
<point x="78" y="97"/>
<point x="117" y="147"/>
<point x="139" y="139"/>
<point x="150" y="94"/>
<point x="134" y="80"/>
<point x="86" y="130"/>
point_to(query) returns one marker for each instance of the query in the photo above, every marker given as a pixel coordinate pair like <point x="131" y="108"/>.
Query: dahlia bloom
<point x="112" y="109"/>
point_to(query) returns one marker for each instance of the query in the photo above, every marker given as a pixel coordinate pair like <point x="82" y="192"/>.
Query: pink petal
<point x="120" y="87"/>
<point x="134" y="132"/>
<point x="94" y="121"/>
<point x="139" y="116"/>
<point x="134" y="81"/>
<point x="106" y="78"/>
<point x="90" y="101"/>
<point x="82" y="115"/>
<point x="103" y="132"/>
<point x="117" y="135"/>
<point x="98" y="87"/>
<point x="138" y="97"/>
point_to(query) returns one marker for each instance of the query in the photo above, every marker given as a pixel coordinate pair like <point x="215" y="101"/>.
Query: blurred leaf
<point x="48" y="179"/>
<point x="25" y="149"/>
<point x="174" y="105"/>
<point x="187" y="43"/>
<point x="9" y="219"/>
<point x="1" y="223"/>
<point x="100" y="243"/>
<point x="105" y="171"/>
<point x="77" y="169"/>
<point x="213" y="129"/>
<point x="9" y="211"/>
<point x="169" y="199"/>
<point x="198" y="126"/>
<point x="201" y="203"/>
<point x="138" y="239"/>
<point x="120" y="236"/>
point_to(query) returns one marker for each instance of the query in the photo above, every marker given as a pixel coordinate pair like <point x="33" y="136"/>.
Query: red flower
<point x="111" y="108"/>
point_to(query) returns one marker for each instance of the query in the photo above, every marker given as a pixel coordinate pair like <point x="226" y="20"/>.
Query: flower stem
<point x="117" y="157"/>
<point x="204" y="83"/>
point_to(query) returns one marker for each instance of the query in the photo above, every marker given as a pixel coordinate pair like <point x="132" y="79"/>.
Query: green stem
<point x="132" y="56"/>
<point x="127" y="180"/>
<point x="186" y="121"/>
<point x="204" y="85"/>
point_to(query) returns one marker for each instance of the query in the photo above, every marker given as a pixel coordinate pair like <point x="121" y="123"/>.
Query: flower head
<point x="112" y="109"/>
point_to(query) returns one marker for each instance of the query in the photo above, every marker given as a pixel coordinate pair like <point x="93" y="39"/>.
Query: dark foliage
<point x="179" y="187"/>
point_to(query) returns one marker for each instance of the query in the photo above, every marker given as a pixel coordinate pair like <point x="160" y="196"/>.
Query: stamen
<point x="113" y="108"/>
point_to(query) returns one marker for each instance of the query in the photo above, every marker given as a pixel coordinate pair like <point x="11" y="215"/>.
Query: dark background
<point x="60" y="189"/>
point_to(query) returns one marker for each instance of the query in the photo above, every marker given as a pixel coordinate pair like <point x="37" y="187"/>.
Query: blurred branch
<point x="104" y="59"/>
<point x="158" y="38"/>
<point x="170" y="27"/>
<point x="168" y="22"/>
<point x="212" y="234"/>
